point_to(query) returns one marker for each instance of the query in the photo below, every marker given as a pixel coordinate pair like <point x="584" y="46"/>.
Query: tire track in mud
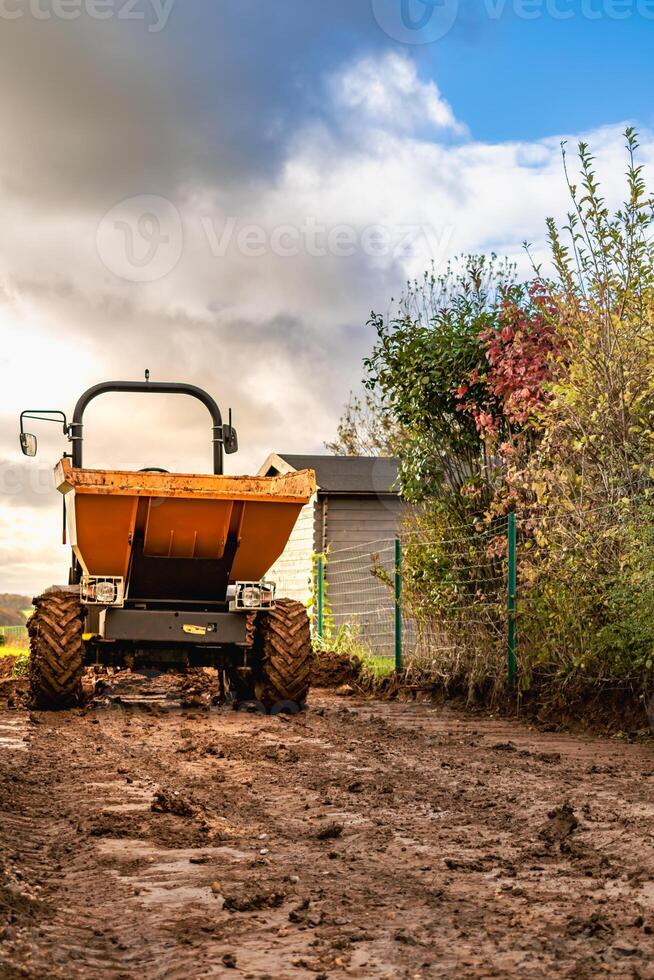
<point x="81" y="923"/>
<point x="365" y="840"/>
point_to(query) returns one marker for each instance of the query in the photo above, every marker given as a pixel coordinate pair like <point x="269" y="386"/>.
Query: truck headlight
<point x="253" y="595"/>
<point x="106" y="590"/>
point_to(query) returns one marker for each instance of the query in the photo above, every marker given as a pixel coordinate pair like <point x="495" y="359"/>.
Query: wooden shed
<point x="356" y="507"/>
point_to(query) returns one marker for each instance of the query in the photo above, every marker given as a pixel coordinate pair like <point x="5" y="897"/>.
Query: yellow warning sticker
<point x="195" y="630"/>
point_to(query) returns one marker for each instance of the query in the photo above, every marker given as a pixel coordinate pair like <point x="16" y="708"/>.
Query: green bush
<point x="535" y="397"/>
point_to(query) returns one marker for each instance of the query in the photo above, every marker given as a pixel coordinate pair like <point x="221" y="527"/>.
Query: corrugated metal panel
<point x="358" y="529"/>
<point x="363" y="527"/>
<point x="350" y="521"/>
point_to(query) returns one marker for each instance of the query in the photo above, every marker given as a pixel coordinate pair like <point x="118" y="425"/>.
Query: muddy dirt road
<point x="358" y="840"/>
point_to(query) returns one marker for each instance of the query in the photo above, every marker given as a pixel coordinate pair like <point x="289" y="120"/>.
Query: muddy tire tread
<point x="56" y="650"/>
<point x="286" y="654"/>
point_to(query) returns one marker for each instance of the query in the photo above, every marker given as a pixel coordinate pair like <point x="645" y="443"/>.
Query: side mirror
<point x="28" y="444"/>
<point x="230" y="439"/>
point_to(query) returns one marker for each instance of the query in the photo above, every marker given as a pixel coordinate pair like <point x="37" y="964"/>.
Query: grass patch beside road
<point x="379" y="666"/>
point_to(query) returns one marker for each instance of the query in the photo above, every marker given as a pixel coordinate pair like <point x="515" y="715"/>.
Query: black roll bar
<point x="76" y="428"/>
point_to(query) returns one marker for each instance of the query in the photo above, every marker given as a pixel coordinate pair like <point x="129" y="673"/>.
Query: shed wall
<point x="355" y="521"/>
<point x="357" y="528"/>
<point x="292" y="570"/>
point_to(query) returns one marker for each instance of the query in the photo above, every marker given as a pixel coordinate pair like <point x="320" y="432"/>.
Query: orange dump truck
<point x="168" y="570"/>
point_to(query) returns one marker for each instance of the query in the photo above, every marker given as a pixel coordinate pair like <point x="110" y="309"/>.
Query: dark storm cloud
<point x="93" y="111"/>
<point x="239" y="360"/>
<point x="81" y="113"/>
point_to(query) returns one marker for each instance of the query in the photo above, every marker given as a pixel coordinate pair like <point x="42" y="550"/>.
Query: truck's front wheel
<point x="56" y="649"/>
<point x="284" y="654"/>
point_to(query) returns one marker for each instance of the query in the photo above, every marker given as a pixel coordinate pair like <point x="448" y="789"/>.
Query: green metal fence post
<point x="320" y="596"/>
<point x="398" y="605"/>
<point x="512" y="596"/>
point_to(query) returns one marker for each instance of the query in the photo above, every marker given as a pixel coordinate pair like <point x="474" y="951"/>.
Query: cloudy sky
<point x="221" y="191"/>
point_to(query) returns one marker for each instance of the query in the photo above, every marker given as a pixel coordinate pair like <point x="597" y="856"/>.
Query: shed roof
<point x="341" y="474"/>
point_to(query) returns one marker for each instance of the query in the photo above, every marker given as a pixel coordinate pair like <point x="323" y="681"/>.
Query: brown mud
<point x="7" y="664"/>
<point x="334" y="669"/>
<point x="143" y="838"/>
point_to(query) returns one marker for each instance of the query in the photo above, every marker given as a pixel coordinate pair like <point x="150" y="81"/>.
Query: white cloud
<point x="388" y="93"/>
<point x="30" y="552"/>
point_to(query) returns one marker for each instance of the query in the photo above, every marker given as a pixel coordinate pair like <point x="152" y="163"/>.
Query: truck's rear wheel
<point x="284" y="654"/>
<point x="57" y="649"/>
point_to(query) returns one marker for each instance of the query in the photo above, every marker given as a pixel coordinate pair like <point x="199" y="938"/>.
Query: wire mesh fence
<point x="502" y="602"/>
<point x="364" y="599"/>
<point x="360" y="595"/>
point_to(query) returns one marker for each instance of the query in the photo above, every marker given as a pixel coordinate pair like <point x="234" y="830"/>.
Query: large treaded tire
<point x="284" y="653"/>
<point x="56" y="650"/>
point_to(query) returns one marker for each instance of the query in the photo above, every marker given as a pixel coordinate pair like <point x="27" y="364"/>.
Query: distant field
<point x="14" y="609"/>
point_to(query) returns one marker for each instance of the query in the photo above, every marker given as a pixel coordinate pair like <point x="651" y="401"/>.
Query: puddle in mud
<point x="171" y="877"/>
<point x="12" y="736"/>
<point x="114" y="784"/>
<point x="130" y="849"/>
<point x="12" y="744"/>
<point x="138" y="799"/>
<point x="126" y="808"/>
<point x="176" y="895"/>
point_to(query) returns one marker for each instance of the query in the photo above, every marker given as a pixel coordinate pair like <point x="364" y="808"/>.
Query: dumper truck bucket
<point x="179" y="537"/>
